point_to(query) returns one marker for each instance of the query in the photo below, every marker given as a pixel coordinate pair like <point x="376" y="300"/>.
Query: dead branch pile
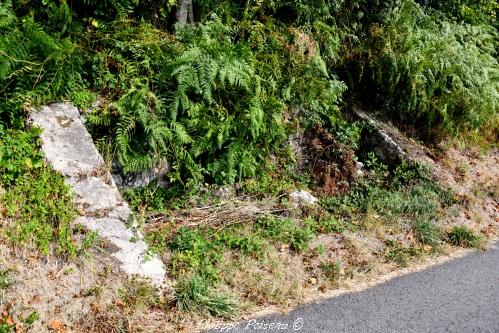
<point x="219" y="215"/>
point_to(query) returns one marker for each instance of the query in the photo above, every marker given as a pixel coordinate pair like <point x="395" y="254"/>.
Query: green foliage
<point x="235" y="130"/>
<point x="407" y="193"/>
<point x="246" y="244"/>
<point x="470" y="11"/>
<point x="441" y="76"/>
<point x="216" y="103"/>
<point x="427" y="233"/>
<point x="194" y="295"/>
<point x="6" y="328"/>
<point x="295" y="12"/>
<point x="194" y="251"/>
<point x="218" y="122"/>
<point x="286" y="231"/>
<point x="464" y="237"/>
<point x="36" y="200"/>
<point x="69" y="17"/>
<point x="19" y="155"/>
<point x="39" y="205"/>
<point x="31" y="318"/>
<point x="35" y="67"/>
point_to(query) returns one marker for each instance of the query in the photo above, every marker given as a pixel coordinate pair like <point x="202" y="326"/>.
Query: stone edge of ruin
<point x="69" y="150"/>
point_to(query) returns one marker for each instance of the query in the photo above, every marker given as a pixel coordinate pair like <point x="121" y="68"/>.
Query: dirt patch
<point x="474" y="178"/>
<point x="78" y="296"/>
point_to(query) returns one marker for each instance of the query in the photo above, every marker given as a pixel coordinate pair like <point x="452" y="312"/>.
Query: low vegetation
<point x="35" y="204"/>
<point x="400" y="202"/>
<point x="464" y="236"/>
<point x="247" y="98"/>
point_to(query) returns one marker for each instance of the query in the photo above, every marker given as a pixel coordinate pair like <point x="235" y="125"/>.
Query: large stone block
<point x="69" y="149"/>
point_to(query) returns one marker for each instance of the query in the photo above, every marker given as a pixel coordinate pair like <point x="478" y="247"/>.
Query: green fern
<point x="35" y="67"/>
<point x="441" y="76"/>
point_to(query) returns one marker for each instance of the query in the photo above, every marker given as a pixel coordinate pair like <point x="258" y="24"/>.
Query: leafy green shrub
<point x="436" y="74"/>
<point x="286" y="231"/>
<point x="194" y="295"/>
<point x="246" y="244"/>
<point x="300" y="238"/>
<point x="36" y="199"/>
<point x="41" y="208"/>
<point x="194" y="252"/>
<point x="464" y="236"/>
<point x="18" y="155"/>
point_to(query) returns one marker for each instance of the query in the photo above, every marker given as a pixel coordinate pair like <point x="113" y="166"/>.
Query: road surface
<point x="458" y="296"/>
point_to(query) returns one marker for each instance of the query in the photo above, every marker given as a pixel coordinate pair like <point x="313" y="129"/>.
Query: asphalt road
<point x="458" y="296"/>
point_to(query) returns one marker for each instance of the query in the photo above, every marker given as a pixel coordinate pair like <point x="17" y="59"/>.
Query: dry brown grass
<point x="277" y="280"/>
<point x="60" y="291"/>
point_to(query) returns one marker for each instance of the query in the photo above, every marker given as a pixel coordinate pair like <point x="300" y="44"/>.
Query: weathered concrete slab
<point x="93" y="195"/>
<point x="69" y="149"/>
<point x="66" y="142"/>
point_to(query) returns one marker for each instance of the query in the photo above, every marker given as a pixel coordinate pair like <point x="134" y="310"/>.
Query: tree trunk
<point x="184" y="12"/>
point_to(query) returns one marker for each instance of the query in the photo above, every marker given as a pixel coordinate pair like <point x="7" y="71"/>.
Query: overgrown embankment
<point x="239" y="104"/>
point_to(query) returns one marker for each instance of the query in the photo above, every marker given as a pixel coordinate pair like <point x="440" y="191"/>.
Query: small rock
<point x="359" y="166"/>
<point x="224" y="192"/>
<point x="140" y="179"/>
<point x="303" y="197"/>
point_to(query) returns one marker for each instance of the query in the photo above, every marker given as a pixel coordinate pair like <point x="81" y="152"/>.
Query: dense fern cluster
<point x="470" y="11"/>
<point x="440" y="76"/>
<point x="216" y="99"/>
<point x="35" y="67"/>
<point x="215" y="108"/>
